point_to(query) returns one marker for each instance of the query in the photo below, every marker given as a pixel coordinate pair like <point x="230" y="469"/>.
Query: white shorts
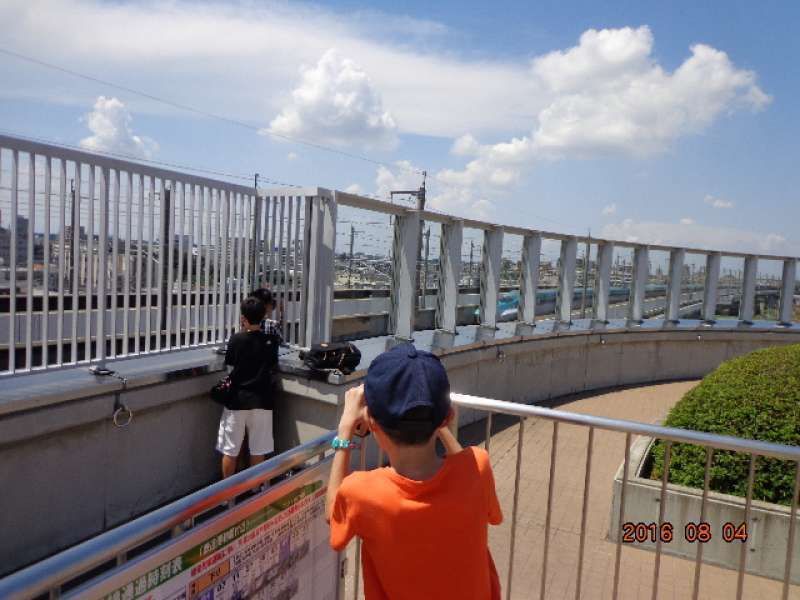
<point x="232" y="425"/>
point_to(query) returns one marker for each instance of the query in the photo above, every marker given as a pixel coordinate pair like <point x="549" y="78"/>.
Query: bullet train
<point x="508" y="302"/>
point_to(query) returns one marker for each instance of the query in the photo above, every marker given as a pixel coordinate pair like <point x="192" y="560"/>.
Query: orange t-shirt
<point x="422" y="539"/>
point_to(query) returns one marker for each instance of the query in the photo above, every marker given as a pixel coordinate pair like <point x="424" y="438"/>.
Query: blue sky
<point x="579" y="115"/>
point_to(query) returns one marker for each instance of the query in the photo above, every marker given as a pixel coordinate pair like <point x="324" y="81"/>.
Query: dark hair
<point x="253" y="310"/>
<point x="415" y="427"/>
<point x="264" y="295"/>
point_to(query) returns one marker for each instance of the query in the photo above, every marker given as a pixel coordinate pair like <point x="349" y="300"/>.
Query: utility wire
<point x="186" y="107"/>
<point x="211" y="115"/>
<point x="151" y="161"/>
<point x="121" y="155"/>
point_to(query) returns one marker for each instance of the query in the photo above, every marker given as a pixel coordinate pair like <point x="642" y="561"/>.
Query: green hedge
<point x="756" y="396"/>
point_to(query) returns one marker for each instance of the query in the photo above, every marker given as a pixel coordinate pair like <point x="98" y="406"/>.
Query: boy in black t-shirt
<point x="252" y="354"/>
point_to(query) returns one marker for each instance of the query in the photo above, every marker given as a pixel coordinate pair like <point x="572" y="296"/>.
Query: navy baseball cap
<point x="404" y="378"/>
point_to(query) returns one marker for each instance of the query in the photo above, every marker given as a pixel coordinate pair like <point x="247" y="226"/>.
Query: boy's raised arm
<point x="449" y="441"/>
<point x="353" y="419"/>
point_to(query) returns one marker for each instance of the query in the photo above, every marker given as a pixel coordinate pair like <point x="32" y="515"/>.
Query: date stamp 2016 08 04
<point x="702" y="532"/>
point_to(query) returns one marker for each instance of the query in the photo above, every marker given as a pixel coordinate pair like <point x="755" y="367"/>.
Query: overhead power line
<point x="193" y="109"/>
<point x="150" y="161"/>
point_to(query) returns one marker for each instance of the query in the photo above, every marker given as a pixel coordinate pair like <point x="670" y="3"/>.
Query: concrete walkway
<point x="648" y="404"/>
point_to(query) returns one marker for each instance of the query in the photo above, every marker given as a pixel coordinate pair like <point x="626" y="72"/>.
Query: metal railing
<point x="591" y="424"/>
<point x="566" y="303"/>
<point x="63" y="573"/>
<point x="101" y="257"/>
<point x="630" y="428"/>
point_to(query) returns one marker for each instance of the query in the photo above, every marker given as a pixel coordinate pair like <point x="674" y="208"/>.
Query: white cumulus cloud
<point x="462" y="201"/>
<point x="717" y="202"/>
<point x="336" y="103"/>
<point x="291" y="156"/>
<point x="244" y="56"/>
<point x="609" y="95"/>
<point x="110" y="124"/>
<point x="694" y="235"/>
<point x="466" y="145"/>
<point x="687" y="221"/>
<point x="609" y="209"/>
<point x="354" y="188"/>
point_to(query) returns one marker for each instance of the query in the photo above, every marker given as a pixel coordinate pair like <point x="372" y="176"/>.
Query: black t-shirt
<point x="253" y="355"/>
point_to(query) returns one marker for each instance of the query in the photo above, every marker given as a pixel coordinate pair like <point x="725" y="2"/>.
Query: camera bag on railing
<point x="333" y="356"/>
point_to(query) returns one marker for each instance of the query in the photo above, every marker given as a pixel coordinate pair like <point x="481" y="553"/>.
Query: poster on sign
<point x="276" y="550"/>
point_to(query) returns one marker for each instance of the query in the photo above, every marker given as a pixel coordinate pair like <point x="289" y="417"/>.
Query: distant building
<point x="22" y="241"/>
<point x="68" y="233"/>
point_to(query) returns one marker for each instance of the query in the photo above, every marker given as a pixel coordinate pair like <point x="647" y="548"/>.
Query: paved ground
<point x="647" y="404"/>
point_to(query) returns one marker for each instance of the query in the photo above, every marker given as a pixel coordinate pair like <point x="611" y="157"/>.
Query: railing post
<point x="676" y="258"/>
<point x="449" y="277"/>
<point x="163" y="257"/>
<point x="566" y="279"/>
<point x="747" y="305"/>
<point x="12" y="262"/>
<point x="102" y="267"/>
<point x="529" y="283"/>
<point x="641" y="270"/>
<point x="404" y="272"/>
<point x="255" y="246"/>
<point x="602" y="282"/>
<point x="711" y="287"/>
<point x="490" y="278"/>
<point x="319" y="253"/>
<point x="787" y="291"/>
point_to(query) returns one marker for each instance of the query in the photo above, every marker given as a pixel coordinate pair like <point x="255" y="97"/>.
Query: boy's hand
<point x="354" y="416"/>
<point x="449" y="441"/>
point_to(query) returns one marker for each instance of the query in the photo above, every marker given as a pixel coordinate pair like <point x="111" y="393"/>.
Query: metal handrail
<point x="721" y="442"/>
<point x="388" y="208"/>
<point x="111" y="162"/>
<point x="102" y="217"/>
<point x="306" y="234"/>
<point x="50" y="573"/>
<point x="670" y="435"/>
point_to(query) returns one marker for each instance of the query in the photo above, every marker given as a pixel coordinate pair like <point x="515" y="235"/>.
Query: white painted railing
<point x="101" y="258"/>
<point x="675" y="290"/>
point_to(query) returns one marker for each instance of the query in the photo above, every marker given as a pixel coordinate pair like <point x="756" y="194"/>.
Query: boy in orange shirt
<point x="424" y="519"/>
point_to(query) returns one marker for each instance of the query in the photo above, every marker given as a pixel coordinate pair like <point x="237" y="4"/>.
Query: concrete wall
<point x="545" y="368"/>
<point x="68" y="472"/>
<point x="357" y="327"/>
<point x="768" y="528"/>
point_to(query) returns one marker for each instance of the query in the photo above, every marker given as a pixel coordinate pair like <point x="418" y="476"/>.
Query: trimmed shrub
<point x="757" y="397"/>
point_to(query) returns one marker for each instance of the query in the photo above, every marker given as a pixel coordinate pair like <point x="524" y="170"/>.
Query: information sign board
<point x="274" y="546"/>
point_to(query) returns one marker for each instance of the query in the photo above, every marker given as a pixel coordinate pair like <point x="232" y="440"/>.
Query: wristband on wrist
<point x="338" y="443"/>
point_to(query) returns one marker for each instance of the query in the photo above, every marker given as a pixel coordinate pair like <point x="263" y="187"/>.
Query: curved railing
<point x="105" y="258"/>
<point x="83" y="567"/>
